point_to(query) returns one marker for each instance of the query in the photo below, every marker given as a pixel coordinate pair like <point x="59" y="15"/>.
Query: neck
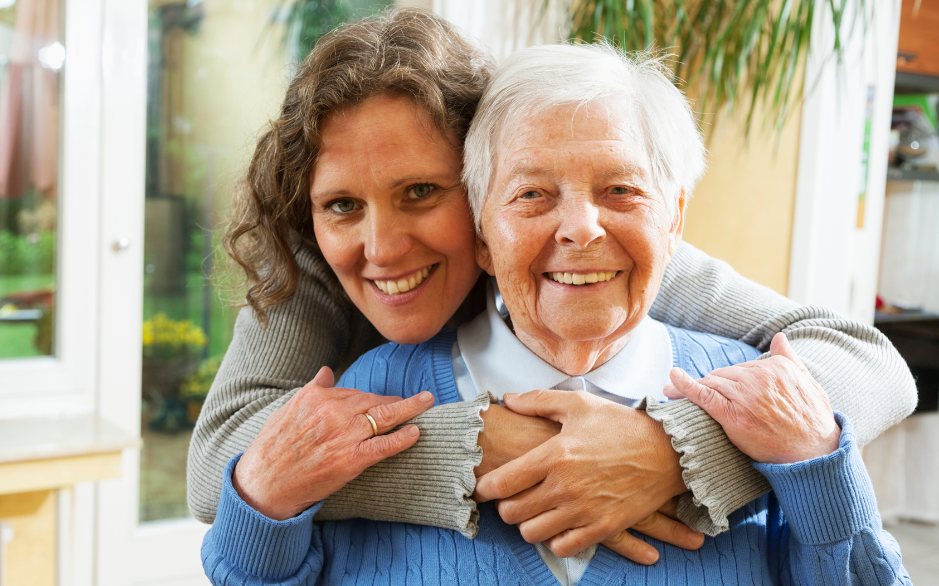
<point x="574" y="358"/>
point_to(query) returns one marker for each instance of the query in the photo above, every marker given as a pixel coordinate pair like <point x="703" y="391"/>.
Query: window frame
<point x="64" y="383"/>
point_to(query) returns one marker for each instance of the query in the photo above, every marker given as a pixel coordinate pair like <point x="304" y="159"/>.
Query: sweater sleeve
<point x="264" y="367"/>
<point x="861" y="371"/>
<point x="244" y="547"/>
<point x="832" y="533"/>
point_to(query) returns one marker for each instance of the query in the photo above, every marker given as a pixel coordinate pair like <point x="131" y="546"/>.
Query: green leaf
<point x="728" y="51"/>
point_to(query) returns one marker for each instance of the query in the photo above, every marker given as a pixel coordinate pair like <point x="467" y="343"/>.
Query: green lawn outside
<point x="11" y="284"/>
<point x="16" y="340"/>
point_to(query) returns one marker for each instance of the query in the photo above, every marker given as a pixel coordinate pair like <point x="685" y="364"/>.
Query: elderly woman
<point x="578" y="182"/>
<point x="372" y="128"/>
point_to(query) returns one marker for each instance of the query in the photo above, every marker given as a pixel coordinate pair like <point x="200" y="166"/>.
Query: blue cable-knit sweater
<point x="818" y="526"/>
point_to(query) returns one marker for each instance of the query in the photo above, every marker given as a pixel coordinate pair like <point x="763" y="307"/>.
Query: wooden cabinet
<point x="918" y="50"/>
<point x="39" y="459"/>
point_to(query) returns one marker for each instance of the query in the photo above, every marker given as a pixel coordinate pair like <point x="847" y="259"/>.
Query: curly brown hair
<point x="406" y="52"/>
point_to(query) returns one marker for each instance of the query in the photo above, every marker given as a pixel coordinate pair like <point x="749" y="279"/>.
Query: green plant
<point x="165" y="338"/>
<point x="729" y="52"/>
<point x="308" y="20"/>
<point x="197" y="385"/>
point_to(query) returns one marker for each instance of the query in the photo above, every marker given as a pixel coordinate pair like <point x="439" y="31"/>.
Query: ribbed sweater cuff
<point x="720" y="477"/>
<point x="826" y="499"/>
<point x="254" y="544"/>
<point x="430" y="483"/>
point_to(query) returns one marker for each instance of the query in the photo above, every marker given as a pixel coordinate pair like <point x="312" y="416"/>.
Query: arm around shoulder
<point x="263" y="368"/>
<point x="862" y="373"/>
<point x="835" y="531"/>
<point x="245" y="547"/>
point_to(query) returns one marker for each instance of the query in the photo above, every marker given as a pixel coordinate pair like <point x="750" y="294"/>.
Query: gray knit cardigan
<point x="431" y="483"/>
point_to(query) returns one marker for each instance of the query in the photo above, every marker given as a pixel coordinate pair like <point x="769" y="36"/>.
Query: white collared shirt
<point x="496" y="361"/>
<point x="488" y="357"/>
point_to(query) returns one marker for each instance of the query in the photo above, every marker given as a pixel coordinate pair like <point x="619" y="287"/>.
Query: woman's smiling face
<point x="391" y="216"/>
<point x="576" y="232"/>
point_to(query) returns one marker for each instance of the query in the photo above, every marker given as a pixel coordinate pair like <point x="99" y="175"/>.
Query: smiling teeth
<point x="581" y="278"/>
<point x="404" y="284"/>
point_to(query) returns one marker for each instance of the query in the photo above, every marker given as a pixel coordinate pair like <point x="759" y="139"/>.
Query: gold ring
<point x="374" y="425"/>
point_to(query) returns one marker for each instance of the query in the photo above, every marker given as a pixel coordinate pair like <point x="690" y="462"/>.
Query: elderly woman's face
<point x="391" y="217"/>
<point x="574" y="229"/>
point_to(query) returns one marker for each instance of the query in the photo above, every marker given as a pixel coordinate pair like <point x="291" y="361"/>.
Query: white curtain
<point x="29" y="103"/>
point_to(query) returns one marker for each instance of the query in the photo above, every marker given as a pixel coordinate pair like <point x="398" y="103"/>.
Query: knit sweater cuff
<point x="826" y="499"/>
<point x="247" y="541"/>
<point x="720" y="477"/>
<point x="431" y="483"/>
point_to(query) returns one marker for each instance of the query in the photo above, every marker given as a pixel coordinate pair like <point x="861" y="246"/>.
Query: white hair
<point x="535" y="79"/>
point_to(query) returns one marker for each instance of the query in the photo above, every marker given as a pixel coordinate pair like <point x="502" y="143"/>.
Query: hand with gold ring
<point x="318" y="441"/>
<point x="374" y="425"/>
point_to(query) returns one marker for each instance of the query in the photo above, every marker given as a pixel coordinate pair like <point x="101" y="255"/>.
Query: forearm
<point x="431" y="483"/>
<point x="507" y="435"/>
<point x="863" y="374"/>
<point x="861" y="371"/>
<point x="720" y="477"/>
<point x="244" y="546"/>
<point x="229" y="422"/>
<point x="835" y="532"/>
<point x="263" y="368"/>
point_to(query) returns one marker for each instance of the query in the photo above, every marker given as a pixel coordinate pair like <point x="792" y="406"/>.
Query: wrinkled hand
<point x="507" y="435"/>
<point x="609" y="469"/>
<point x="772" y="410"/>
<point x="320" y="440"/>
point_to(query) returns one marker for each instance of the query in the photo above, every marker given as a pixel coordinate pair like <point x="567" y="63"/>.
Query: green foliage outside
<point x="165" y="338"/>
<point x="197" y="385"/>
<point x="308" y="20"/>
<point x="26" y="254"/>
<point x="19" y="340"/>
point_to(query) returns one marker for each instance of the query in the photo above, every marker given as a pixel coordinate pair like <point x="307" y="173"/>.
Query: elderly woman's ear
<point x="675" y="232"/>
<point x="483" y="258"/>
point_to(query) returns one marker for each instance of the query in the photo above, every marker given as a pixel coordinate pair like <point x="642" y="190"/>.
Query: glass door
<point x="217" y="73"/>
<point x="197" y="80"/>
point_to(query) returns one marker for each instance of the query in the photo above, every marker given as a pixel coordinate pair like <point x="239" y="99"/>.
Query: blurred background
<point x="125" y="124"/>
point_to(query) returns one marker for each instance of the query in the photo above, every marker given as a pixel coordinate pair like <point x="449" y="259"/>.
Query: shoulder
<point x="397" y="369"/>
<point x="699" y="353"/>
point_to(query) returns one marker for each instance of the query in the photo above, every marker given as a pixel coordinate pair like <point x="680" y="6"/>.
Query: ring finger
<point x="388" y="413"/>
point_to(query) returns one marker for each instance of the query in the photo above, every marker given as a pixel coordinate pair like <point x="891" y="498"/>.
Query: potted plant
<point x="171" y="349"/>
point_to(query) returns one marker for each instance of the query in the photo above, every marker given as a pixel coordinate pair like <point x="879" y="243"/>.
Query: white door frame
<point x="128" y="553"/>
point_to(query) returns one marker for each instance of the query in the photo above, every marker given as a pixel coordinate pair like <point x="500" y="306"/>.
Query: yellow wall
<point x="32" y="552"/>
<point x="742" y="211"/>
<point x="222" y="83"/>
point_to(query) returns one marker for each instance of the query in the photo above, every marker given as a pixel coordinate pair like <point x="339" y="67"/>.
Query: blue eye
<point x="342" y="206"/>
<point x="420" y="191"/>
<point x="531" y="195"/>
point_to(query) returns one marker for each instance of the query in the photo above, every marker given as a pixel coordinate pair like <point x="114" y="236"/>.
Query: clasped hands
<point x="570" y="469"/>
<point x="610" y="468"/>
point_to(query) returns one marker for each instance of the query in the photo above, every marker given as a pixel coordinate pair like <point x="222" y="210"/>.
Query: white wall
<point x="833" y="261"/>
